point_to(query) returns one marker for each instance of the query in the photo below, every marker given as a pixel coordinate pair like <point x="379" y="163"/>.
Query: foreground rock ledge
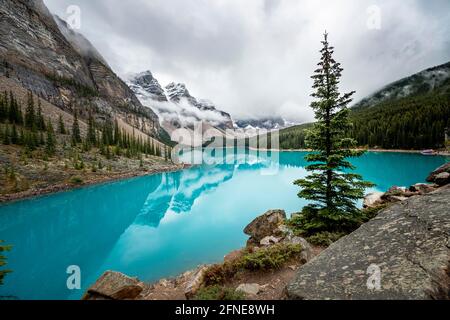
<point x="409" y="242"/>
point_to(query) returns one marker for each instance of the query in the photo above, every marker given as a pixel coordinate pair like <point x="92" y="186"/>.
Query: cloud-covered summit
<point x="255" y="57"/>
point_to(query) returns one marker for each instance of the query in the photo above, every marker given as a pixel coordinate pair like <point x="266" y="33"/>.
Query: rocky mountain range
<point x="274" y="123"/>
<point x="175" y="106"/>
<point x="42" y="54"/>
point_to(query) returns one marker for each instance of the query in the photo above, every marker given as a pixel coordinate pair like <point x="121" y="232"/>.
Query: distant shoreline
<point x="438" y="153"/>
<point x="64" y="187"/>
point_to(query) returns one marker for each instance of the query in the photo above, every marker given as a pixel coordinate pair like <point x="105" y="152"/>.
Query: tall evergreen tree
<point x="14" y="135"/>
<point x="91" y="137"/>
<point x="50" y="145"/>
<point x="40" y="121"/>
<point x="3" y="108"/>
<point x="76" y="136"/>
<point x="61" y="127"/>
<point x="116" y="132"/>
<point x="30" y="116"/>
<point x="331" y="188"/>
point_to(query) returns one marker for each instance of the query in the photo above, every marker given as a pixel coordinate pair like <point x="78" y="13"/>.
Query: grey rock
<point x="423" y="188"/>
<point x="444" y="168"/>
<point x="250" y="289"/>
<point x="195" y="282"/>
<point x="114" y="286"/>
<point x="442" y="178"/>
<point x="373" y="199"/>
<point x="408" y="242"/>
<point x="307" y="250"/>
<point x="269" y="240"/>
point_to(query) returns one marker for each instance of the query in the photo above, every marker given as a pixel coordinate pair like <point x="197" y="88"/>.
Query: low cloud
<point x="254" y="58"/>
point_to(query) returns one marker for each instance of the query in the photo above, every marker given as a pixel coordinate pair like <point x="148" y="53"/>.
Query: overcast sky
<point x="254" y="58"/>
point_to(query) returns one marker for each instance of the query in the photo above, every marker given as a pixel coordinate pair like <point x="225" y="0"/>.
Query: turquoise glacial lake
<point x="162" y="225"/>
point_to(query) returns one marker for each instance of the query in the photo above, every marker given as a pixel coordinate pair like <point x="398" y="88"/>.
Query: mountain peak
<point x="144" y="83"/>
<point x="177" y="91"/>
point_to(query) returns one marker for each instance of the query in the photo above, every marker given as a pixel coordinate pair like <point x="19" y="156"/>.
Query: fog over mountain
<point x="254" y="58"/>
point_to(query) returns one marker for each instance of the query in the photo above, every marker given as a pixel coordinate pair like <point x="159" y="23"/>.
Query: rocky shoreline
<point x="305" y="275"/>
<point x="97" y="180"/>
<point x="268" y="233"/>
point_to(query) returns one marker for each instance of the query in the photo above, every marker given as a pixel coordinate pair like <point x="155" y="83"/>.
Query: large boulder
<point x="307" y="251"/>
<point x="114" y="286"/>
<point x="443" y="168"/>
<point x="403" y="253"/>
<point x="442" y="179"/>
<point x="265" y="225"/>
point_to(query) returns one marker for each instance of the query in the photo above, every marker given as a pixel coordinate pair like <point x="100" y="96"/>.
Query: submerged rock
<point x="265" y="225"/>
<point x="403" y="253"/>
<point x="114" y="286"/>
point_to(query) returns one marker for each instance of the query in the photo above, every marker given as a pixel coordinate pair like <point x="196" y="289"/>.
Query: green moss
<point x="216" y="292"/>
<point x="76" y="180"/>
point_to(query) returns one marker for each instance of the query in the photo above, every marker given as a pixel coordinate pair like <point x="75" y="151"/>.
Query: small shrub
<point x="325" y="238"/>
<point x="270" y="258"/>
<point x="370" y="213"/>
<point x="76" y="180"/>
<point x="219" y="273"/>
<point x="218" y="293"/>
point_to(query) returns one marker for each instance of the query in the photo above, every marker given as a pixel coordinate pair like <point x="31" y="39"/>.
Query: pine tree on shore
<point x="331" y="188"/>
<point x="76" y="136"/>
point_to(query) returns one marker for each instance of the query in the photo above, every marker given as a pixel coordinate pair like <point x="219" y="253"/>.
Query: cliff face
<point x="404" y="253"/>
<point x="45" y="56"/>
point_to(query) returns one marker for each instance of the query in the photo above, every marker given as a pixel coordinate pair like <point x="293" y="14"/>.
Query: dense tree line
<point x="27" y="127"/>
<point x="410" y="123"/>
<point x="294" y="137"/>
